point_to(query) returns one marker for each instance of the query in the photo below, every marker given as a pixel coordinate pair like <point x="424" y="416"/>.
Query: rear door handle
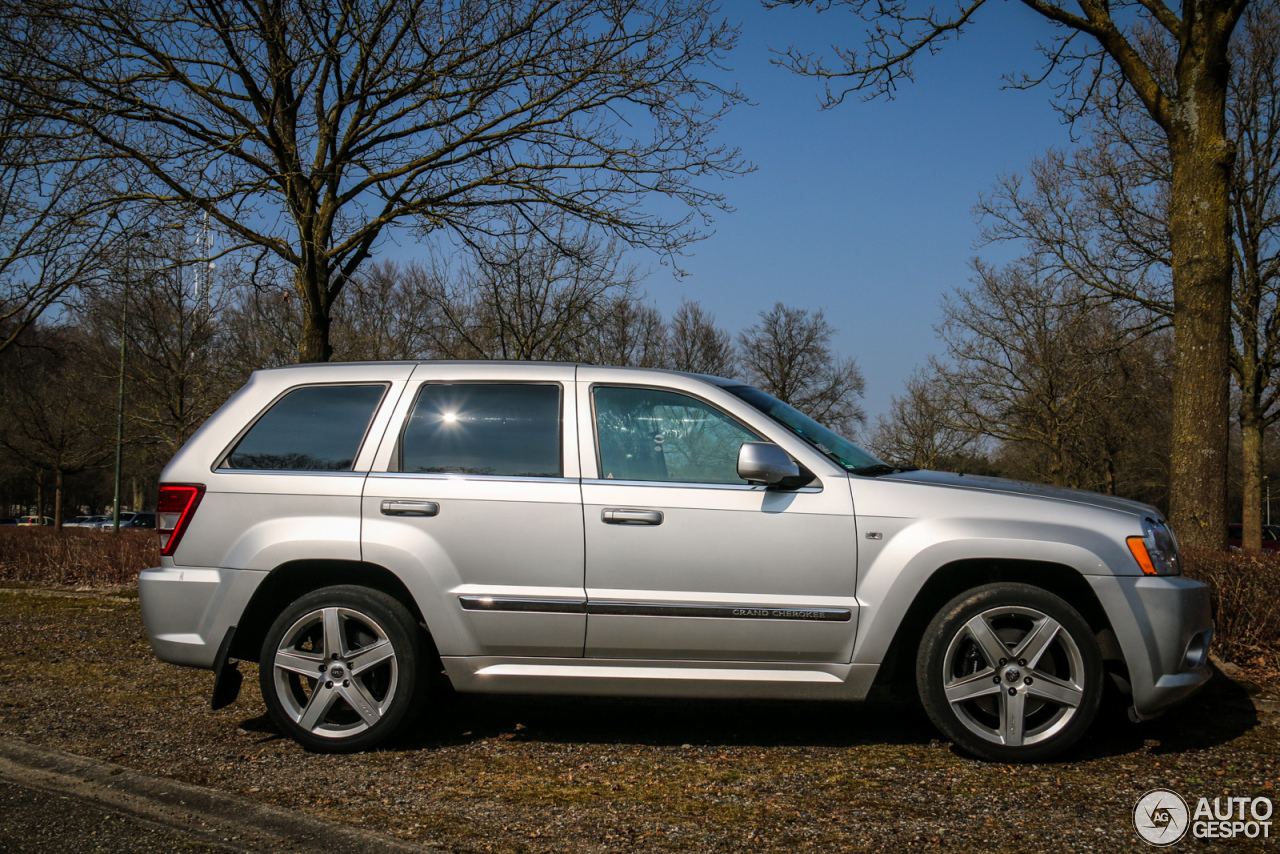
<point x="619" y="516"/>
<point x="410" y="508"/>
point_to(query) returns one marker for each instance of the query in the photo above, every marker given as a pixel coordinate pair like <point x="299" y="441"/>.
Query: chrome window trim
<point x="487" y="478"/>
<point x="291" y="472"/>
<point x="736" y="487"/>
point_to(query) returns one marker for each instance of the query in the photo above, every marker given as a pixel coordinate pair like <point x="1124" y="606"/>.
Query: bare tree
<point x="389" y="311"/>
<point x="306" y="129"/>
<point x="625" y="331"/>
<point x="923" y="428"/>
<point x="175" y="375"/>
<point x="1034" y="364"/>
<point x="1177" y="68"/>
<point x="697" y="345"/>
<point x="532" y="292"/>
<point x="1254" y="119"/>
<point x="1102" y="215"/>
<point x="55" y="231"/>
<point x="263" y="323"/>
<point x="788" y="354"/>
<point x="53" y="411"/>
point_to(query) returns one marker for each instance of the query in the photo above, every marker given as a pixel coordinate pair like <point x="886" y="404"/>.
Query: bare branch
<point x="307" y="131"/>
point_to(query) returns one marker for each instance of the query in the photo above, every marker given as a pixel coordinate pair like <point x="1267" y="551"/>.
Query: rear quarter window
<point x="314" y="428"/>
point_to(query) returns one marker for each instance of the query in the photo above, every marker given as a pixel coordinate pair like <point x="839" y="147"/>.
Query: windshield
<point x="835" y="446"/>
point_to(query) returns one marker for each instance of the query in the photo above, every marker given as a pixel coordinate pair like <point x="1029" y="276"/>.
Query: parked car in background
<point x="35" y="520"/>
<point x="1270" y="536"/>
<point x="365" y="530"/>
<point x="8" y="520"/>
<point x="108" y="523"/>
<point x="140" y="520"/>
<point x="74" y="521"/>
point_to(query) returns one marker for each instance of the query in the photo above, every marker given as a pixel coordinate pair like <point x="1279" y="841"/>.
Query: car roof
<point x="401" y="363"/>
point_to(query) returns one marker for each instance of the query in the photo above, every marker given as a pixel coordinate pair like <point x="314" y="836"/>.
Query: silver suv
<point x="364" y="530"/>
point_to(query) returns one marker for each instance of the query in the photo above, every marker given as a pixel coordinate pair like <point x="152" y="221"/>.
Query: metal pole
<point x="124" y="320"/>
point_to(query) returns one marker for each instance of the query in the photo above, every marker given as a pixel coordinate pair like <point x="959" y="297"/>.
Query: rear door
<point x="475" y="503"/>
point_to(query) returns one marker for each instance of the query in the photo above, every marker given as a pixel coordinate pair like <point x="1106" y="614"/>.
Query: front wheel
<point x="1010" y="672"/>
<point x="342" y="668"/>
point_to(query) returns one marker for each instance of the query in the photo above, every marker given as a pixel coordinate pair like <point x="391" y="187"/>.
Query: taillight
<point x="174" y="509"/>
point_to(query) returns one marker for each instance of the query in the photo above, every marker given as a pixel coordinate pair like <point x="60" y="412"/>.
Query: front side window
<point x="315" y="428"/>
<point x="498" y="429"/>
<point x="647" y="434"/>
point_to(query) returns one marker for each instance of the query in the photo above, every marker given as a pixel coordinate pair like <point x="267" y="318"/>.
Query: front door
<point x="684" y="559"/>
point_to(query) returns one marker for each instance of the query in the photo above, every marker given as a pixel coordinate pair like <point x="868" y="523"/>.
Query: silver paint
<point x="582" y="584"/>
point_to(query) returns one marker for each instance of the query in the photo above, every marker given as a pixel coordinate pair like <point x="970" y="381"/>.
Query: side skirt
<point x="771" y="680"/>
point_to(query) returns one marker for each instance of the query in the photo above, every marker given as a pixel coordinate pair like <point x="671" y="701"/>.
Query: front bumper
<point x="187" y="610"/>
<point x="1164" y="627"/>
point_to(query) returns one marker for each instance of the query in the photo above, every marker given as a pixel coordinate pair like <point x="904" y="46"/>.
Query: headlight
<point x="1156" y="551"/>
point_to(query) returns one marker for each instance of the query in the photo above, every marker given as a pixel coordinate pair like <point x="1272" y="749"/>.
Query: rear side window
<point x="500" y="429"/>
<point x="316" y="428"/>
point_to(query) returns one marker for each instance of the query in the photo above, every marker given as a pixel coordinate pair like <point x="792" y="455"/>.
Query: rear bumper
<point x="187" y="610"/>
<point x="1164" y="628"/>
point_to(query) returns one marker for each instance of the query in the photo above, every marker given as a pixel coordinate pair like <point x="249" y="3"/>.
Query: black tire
<point x="1010" y="673"/>
<point x="342" y="669"/>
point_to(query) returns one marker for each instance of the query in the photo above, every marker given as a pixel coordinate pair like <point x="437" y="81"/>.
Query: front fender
<point x="894" y="570"/>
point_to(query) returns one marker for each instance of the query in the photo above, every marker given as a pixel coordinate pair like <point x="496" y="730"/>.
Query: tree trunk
<point x="1251" y="435"/>
<point x="57" y="499"/>
<point x="1200" y="228"/>
<point x="314" y="344"/>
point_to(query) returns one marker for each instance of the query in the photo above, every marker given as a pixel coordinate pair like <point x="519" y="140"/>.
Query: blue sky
<point x="865" y="210"/>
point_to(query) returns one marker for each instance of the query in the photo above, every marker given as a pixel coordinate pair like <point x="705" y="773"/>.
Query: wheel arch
<point x="954" y="578"/>
<point x="289" y="581"/>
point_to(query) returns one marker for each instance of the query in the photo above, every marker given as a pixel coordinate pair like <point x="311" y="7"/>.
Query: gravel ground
<point x="519" y="774"/>
<point x="82" y="829"/>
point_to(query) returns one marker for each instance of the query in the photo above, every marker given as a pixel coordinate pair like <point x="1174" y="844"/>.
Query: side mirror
<point x="765" y="462"/>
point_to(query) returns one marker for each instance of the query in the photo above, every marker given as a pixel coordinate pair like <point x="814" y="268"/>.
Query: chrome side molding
<point x="644" y="609"/>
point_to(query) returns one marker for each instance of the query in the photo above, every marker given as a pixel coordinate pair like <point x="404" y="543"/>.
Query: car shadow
<point x="263" y="726"/>
<point x="1219" y="713"/>
<point x="462" y="719"/>
<point x="1222" y="711"/>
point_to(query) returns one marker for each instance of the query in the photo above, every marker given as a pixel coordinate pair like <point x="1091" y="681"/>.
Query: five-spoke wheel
<point x="1010" y="672"/>
<point x="341" y="668"/>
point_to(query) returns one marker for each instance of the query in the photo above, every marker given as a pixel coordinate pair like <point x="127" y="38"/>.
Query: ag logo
<point x="1161" y="817"/>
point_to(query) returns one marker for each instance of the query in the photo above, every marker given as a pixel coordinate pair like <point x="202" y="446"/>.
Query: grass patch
<point x="553" y="775"/>
<point x="75" y="557"/>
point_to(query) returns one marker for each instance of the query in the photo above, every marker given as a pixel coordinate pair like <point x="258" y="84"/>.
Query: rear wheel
<point x="1010" y="672"/>
<point x="342" y="668"/>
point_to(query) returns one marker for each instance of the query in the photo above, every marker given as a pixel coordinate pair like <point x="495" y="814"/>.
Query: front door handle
<point x="410" y="508"/>
<point x="620" y="516"/>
